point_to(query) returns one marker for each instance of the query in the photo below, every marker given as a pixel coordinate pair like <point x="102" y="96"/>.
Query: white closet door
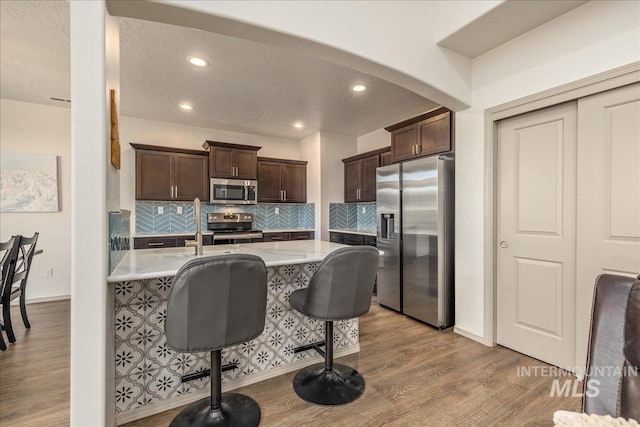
<point x="608" y="239"/>
<point x="536" y="234"/>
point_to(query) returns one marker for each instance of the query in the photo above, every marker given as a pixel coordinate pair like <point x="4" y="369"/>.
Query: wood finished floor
<point x="34" y="372"/>
<point x="415" y="376"/>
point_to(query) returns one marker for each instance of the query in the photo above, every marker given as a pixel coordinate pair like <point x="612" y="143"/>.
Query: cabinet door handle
<point x="418" y="148"/>
<point x="285" y="194"/>
<point x="176" y="191"/>
<point x="413" y="150"/>
<point x="156" y="244"/>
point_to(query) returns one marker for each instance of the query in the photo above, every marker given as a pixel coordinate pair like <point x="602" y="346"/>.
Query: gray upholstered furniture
<point x="613" y="360"/>
<point x="216" y="302"/>
<point x="340" y="289"/>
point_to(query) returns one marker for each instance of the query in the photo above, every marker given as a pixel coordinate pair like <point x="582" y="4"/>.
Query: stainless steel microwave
<point x="233" y="191"/>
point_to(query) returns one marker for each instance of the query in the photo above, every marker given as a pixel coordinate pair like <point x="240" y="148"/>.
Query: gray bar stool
<point x="216" y="302"/>
<point x="340" y="289"/>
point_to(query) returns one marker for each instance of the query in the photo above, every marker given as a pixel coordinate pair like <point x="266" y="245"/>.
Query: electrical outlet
<point x="364" y="209"/>
<point x="48" y="272"/>
<point x="160" y="210"/>
<point x="276" y="211"/>
<point x="179" y="209"/>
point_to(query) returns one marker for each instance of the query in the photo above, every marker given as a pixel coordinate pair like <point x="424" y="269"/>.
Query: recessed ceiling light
<point x="197" y="61"/>
<point x="186" y="107"/>
<point x="359" y="88"/>
<point x="298" y="125"/>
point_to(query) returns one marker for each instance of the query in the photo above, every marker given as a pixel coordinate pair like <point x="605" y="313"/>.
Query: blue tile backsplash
<point x="351" y="215"/>
<point x="149" y="220"/>
<point x="119" y="237"/>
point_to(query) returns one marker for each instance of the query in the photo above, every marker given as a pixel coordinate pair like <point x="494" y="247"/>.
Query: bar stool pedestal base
<point x="337" y="386"/>
<point x="237" y="410"/>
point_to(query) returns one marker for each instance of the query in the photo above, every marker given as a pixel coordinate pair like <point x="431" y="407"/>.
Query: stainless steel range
<point x="232" y="228"/>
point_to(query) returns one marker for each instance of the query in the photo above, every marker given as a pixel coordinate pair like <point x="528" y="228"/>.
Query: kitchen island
<point x="149" y="375"/>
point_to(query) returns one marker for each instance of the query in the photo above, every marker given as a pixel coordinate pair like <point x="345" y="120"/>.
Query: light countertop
<point x="173" y="234"/>
<point x="154" y="263"/>
<point x="209" y="232"/>
<point x="354" y="231"/>
<point x="287" y="230"/>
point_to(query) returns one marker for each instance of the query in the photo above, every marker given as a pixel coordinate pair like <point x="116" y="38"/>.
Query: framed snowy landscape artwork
<point x="28" y="182"/>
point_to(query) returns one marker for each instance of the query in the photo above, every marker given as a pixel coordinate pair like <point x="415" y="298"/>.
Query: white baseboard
<point x="471" y="336"/>
<point x="166" y="405"/>
<point x="43" y="299"/>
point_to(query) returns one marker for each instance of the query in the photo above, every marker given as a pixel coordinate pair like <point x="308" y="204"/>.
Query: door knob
<point x="504" y="244"/>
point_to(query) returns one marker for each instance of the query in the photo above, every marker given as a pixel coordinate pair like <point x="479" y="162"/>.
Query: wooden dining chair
<point x="8" y="258"/>
<point x="26" y="249"/>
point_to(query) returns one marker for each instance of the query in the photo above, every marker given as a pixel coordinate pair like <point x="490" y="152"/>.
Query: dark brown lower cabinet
<point x="352" y="239"/>
<point x="168" y="241"/>
<point x="288" y="235"/>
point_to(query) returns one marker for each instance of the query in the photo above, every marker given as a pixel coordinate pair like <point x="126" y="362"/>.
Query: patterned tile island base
<point x="148" y="373"/>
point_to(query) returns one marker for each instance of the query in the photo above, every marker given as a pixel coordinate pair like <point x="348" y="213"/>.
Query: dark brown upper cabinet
<point x="360" y="176"/>
<point x="232" y="160"/>
<point x="282" y="181"/>
<point x="425" y="135"/>
<point x="385" y="158"/>
<point x="164" y="173"/>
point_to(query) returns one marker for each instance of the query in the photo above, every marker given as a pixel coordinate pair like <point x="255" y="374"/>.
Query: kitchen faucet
<point x="197" y="218"/>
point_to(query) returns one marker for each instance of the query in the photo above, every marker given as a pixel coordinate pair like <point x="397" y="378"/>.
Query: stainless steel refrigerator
<point x="415" y="208"/>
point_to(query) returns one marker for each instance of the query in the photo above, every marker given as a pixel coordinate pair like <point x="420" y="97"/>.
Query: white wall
<point x="333" y="148"/>
<point x="453" y="15"/>
<point x="94" y="190"/>
<point x="593" y="38"/>
<point x="42" y="129"/>
<point x="310" y="150"/>
<point x="175" y="135"/>
<point x="373" y="140"/>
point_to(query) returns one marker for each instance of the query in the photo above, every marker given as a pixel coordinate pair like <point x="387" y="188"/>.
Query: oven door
<point x="236" y="238"/>
<point x="233" y="191"/>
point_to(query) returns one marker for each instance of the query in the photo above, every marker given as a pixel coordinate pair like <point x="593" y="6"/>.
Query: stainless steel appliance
<point x="233" y="191"/>
<point x="231" y="228"/>
<point x="415" y="208"/>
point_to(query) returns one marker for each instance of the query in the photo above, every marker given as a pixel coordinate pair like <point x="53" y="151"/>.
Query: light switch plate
<point x="179" y="209"/>
<point x="160" y="210"/>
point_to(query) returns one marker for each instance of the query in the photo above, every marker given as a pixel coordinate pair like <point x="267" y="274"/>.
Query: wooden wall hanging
<point x="115" y="139"/>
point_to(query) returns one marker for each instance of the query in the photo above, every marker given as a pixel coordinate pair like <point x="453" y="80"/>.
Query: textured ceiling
<point x="34" y="50"/>
<point x="248" y="87"/>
